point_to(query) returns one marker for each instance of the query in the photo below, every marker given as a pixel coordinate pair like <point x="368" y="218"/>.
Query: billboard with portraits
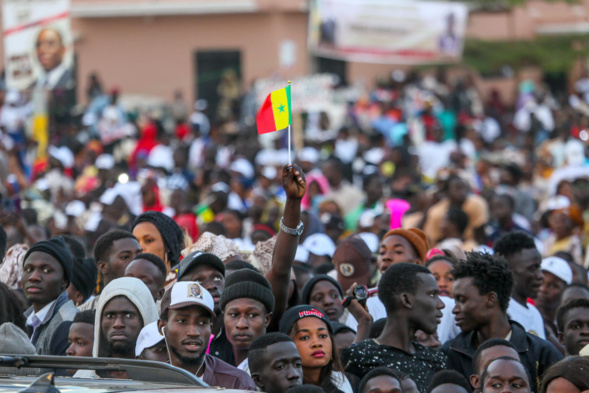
<point x="385" y="31"/>
<point x="38" y="44"/>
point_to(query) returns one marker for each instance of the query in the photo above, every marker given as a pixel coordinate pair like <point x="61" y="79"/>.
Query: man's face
<point x="576" y="330"/>
<point x="382" y="384"/>
<point x="550" y="291"/>
<point x="396" y="249"/>
<point x="427" y="310"/>
<point x="245" y="320"/>
<point x="210" y="278"/>
<point x="282" y="368"/>
<point x="80" y="340"/>
<point x="121" y="324"/>
<point x="42" y="279"/>
<point x="457" y="191"/>
<point x="525" y="266"/>
<point x="471" y="310"/>
<point x="506" y="376"/>
<point x="187" y="332"/>
<point x="157" y="353"/>
<point x="500" y="209"/>
<point x="326" y="297"/>
<point x="121" y="254"/>
<point x="50" y="49"/>
<point x="151" y="276"/>
<point x="487" y="356"/>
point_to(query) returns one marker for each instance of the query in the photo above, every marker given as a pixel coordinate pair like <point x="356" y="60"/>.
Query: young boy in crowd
<point x="572" y="319"/>
<point x="275" y="363"/>
<point x="81" y="336"/>
<point x="151" y="345"/>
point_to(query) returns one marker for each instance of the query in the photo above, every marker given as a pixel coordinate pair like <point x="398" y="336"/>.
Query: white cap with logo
<point x="186" y="294"/>
<point x="559" y="267"/>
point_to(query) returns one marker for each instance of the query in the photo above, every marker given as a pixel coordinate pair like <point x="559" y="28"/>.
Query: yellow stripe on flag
<point x="280" y="108"/>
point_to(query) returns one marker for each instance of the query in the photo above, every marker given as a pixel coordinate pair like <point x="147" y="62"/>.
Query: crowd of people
<point x="436" y="242"/>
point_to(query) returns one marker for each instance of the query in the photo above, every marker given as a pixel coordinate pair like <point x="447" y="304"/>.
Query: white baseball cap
<point x="148" y="337"/>
<point x="319" y="244"/>
<point x="559" y="267"/>
<point x="302" y="254"/>
<point x="186" y="294"/>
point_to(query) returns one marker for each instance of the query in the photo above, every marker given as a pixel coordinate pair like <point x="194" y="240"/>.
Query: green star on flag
<point x="276" y="112"/>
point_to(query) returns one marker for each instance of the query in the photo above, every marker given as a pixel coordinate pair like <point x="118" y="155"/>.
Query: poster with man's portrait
<point x="38" y="44"/>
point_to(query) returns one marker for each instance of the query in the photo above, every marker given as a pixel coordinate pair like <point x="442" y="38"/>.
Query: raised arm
<point x="293" y="181"/>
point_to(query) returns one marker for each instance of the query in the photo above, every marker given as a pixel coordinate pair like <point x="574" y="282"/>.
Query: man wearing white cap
<point x="557" y="275"/>
<point x="320" y="248"/>
<point x="151" y="345"/>
<point x="185" y="322"/>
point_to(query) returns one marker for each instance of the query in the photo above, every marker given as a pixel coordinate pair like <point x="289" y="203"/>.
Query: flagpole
<point x="289" y="125"/>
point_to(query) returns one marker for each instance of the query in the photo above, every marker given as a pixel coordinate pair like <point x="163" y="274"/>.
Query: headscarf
<point x="170" y="231"/>
<point x="323" y="184"/>
<point x="11" y="269"/>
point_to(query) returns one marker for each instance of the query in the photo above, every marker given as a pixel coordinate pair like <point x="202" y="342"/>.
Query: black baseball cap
<point x="200" y="258"/>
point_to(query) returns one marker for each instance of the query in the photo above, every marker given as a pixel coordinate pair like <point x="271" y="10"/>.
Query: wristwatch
<point x="292" y="231"/>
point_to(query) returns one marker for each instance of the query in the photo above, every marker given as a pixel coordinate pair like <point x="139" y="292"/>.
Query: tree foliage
<point x="551" y="53"/>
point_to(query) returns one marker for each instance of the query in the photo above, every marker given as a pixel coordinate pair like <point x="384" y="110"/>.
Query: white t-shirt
<point x="447" y="329"/>
<point x="529" y="317"/>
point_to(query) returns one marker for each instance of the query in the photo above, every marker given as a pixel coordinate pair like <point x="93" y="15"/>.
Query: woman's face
<point x="441" y="270"/>
<point x="561" y="224"/>
<point x="232" y="225"/>
<point x="311" y="337"/>
<point x="314" y="190"/>
<point x="325" y="296"/>
<point x="151" y="240"/>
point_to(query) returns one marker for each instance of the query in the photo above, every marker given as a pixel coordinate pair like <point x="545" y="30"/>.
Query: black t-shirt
<point x="420" y="366"/>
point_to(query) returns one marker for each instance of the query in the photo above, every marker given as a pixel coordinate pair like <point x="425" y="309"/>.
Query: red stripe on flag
<point x="36" y="23"/>
<point x="265" y="117"/>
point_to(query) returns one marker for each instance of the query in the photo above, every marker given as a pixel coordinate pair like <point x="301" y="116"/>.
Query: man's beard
<point x="188" y="361"/>
<point x="122" y="348"/>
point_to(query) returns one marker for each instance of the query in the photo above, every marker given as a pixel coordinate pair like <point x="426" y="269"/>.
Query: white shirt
<point x="43" y="316"/>
<point x="529" y="317"/>
<point x="447" y="329"/>
<point x="245" y="366"/>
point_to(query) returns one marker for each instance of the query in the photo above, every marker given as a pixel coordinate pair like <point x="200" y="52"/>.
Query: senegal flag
<point x="275" y="113"/>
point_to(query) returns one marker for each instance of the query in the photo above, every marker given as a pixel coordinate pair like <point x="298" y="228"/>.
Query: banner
<point x="384" y="31"/>
<point x="311" y="92"/>
<point x="38" y="45"/>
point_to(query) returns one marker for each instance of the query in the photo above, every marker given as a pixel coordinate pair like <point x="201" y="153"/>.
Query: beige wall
<point x="154" y="55"/>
